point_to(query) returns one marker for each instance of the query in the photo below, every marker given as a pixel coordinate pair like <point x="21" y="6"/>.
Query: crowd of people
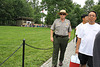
<point x="87" y="40"/>
<point x="34" y="25"/>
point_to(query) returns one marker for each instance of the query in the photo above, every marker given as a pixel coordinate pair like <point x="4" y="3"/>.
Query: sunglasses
<point x="62" y="14"/>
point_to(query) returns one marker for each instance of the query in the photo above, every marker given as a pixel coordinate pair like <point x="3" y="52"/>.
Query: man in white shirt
<point x="86" y="37"/>
<point x="84" y="18"/>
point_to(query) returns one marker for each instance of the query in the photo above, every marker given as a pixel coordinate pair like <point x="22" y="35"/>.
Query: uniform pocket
<point x="66" y="27"/>
<point x="57" y="28"/>
<point x="65" y="30"/>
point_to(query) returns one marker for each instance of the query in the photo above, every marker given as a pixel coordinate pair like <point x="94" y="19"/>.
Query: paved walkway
<point x="70" y="50"/>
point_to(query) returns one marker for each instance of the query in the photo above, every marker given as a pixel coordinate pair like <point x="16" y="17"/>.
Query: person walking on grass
<point x="62" y="30"/>
<point x="86" y="38"/>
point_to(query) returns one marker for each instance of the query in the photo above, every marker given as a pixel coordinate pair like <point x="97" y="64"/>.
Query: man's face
<point x="92" y="17"/>
<point x="86" y="19"/>
<point x="62" y="15"/>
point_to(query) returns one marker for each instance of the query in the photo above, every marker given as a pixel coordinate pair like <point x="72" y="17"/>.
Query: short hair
<point x="93" y="12"/>
<point x="83" y="16"/>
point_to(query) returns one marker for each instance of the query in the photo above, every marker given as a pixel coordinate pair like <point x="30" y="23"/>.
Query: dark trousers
<point x="59" y="43"/>
<point x="85" y="59"/>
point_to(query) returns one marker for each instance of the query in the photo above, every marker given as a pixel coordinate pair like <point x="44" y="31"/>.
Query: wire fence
<point x="24" y="52"/>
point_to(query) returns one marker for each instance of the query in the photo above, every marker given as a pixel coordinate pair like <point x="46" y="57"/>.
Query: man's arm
<point x="51" y="35"/>
<point x="69" y="34"/>
<point x="77" y="45"/>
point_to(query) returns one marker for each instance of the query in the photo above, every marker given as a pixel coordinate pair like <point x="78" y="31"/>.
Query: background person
<point x="84" y="18"/>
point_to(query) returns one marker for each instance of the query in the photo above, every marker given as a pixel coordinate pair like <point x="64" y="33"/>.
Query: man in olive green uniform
<point x="62" y="29"/>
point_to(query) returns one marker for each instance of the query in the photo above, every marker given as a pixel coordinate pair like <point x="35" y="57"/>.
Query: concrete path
<point x="70" y="50"/>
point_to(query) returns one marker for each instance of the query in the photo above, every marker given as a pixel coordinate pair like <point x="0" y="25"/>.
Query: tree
<point x="36" y="11"/>
<point x="97" y="9"/>
<point x="53" y="7"/>
<point x="6" y="11"/>
<point x="99" y="2"/>
<point x="75" y="15"/>
<point x="11" y="9"/>
<point x="88" y="5"/>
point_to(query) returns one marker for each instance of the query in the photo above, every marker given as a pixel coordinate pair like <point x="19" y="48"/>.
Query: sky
<point x="82" y="2"/>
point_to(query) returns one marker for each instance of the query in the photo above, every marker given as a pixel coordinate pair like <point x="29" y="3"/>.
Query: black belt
<point x="61" y="35"/>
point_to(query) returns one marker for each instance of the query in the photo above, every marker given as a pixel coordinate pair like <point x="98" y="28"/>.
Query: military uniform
<point x="61" y="30"/>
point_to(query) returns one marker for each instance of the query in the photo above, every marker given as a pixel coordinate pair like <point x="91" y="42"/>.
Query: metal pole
<point x="42" y="18"/>
<point x="23" y="52"/>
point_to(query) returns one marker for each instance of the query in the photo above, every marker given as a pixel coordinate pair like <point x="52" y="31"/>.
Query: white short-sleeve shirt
<point x="78" y="27"/>
<point x="87" y="34"/>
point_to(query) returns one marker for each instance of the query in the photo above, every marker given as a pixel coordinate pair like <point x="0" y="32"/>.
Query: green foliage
<point x="6" y="10"/>
<point x="36" y="11"/>
<point x="99" y="3"/>
<point x="74" y="15"/>
<point x="11" y="9"/>
<point x="53" y="7"/>
<point x="88" y="5"/>
<point x="22" y="9"/>
<point x="97" y="9"/>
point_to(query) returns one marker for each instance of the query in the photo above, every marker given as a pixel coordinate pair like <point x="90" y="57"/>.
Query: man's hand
<point x="68" y="37"/>
<point x="76" y="51"/>
<point x="52" y="39"/>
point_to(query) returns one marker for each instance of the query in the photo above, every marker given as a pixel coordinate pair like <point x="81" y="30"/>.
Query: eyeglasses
<point x="62" y="14"/>
<point x="92" y="15"/>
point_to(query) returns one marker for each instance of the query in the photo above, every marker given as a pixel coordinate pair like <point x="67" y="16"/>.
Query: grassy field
<point x="11" y="37"/>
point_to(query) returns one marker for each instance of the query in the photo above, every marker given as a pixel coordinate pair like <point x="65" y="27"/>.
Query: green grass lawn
<point x="11" y="37"/>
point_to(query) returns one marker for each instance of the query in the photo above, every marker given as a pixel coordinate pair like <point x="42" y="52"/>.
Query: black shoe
<point x="60" y="63"/>
<point x="54" y="66"/>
